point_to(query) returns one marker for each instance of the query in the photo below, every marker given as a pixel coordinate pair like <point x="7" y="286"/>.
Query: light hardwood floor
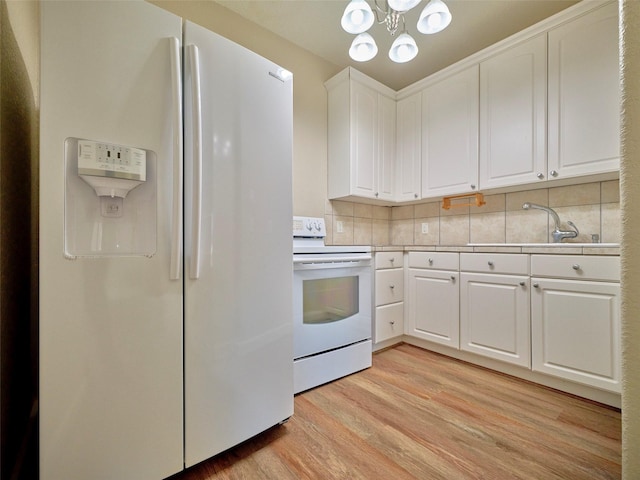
<point x="420" y="415"/>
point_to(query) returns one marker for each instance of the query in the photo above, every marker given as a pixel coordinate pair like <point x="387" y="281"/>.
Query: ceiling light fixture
<point x="358" y="17"/>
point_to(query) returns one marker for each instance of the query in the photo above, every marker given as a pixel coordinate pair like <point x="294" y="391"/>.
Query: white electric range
<point x="332" y="305"/>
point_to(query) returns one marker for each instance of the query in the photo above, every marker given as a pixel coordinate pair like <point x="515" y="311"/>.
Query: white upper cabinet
<point x="386" y="159"/>
<point x="584" y="95"/>
<point x="409" y="146"/>
<point x="450" y="134"/>
<point x="364" y="145"/>
<point x="543" y="105"/>
<point x="513" y="105"/>
<point x="361" y="147"/>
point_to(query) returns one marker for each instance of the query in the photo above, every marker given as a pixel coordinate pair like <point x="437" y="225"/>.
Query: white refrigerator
<point x="165" y="242"/>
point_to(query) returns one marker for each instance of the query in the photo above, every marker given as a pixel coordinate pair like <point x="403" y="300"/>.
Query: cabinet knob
<point x="392" y="259"/>
<point x="453" y="278"/>
<point x="376" y="194"/>
<point x="392" y="322"/>
<point x="473" y="187"/>
<point x="576" y="266"/>
<point x="553" y="173"/>
<point x="522" y="284"/>
<point x="540" y="176"/>
<point x="536" y="285"/>
<point x="392" y="287"/>
<point x="490" y="263"/>
<point x="415" y="195"/>
<point x="431" y="261"/>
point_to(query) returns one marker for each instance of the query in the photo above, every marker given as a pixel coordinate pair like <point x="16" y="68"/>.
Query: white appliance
<point x="158" y="351"/>
<point x="332" y="304"/>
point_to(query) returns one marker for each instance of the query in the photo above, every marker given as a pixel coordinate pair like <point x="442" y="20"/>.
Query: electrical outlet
<point x="425" y="227"/>
<point x="340" y="226"/>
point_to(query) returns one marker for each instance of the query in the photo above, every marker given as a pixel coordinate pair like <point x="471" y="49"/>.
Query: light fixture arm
<point x="391" y="18"/>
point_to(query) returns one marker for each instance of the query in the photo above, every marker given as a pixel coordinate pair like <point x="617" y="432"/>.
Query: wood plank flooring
<point x="420" y="415"/>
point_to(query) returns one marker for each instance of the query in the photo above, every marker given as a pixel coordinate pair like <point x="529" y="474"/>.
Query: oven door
<point x="332" y="305"/>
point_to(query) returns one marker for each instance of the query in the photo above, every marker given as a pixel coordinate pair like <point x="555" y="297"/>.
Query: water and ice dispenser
<point x="110" y="199"/>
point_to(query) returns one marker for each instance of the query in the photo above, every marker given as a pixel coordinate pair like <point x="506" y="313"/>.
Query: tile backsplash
<point x="593" y="207"/>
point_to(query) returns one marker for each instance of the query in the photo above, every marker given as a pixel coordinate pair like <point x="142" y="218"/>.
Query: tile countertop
<point x="540" y="248"/>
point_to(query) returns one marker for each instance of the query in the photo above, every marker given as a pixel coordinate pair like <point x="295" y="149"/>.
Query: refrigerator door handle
<point x="196" y="118"/>
<point x="176" y="217"/>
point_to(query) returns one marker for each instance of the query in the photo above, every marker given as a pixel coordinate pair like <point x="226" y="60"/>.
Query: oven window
<point x="327" y="300"/>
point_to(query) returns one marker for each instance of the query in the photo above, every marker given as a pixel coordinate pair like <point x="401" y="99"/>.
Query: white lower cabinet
<point x="494" y="307"/>
<point x="557" y="315"/>
<point x="389" y="296"/>
<point x="433" y="297"/>
<point x="576" y="320"/>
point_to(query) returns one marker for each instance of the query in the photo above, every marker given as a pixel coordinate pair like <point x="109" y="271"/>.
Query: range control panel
<point x="309" y="227"/>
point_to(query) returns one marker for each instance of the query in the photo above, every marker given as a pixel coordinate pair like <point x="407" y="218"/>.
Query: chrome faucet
<point x="557" y="234"/>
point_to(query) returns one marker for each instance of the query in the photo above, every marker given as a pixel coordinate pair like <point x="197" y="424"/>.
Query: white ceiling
<point x="315" y="26"/>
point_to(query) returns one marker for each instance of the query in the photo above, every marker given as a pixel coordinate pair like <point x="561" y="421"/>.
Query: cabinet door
<point x="386" y="152"/>
<point x="575" y="328"/>
<point x="409" y="145"/>
<point x="433" y="303"/>
<point x="364" y="145"/>
<point x="584" y="95"/>
<point x="494" y="317"/>
<point x="450" y="135"/>
<point x="513" y="105"/>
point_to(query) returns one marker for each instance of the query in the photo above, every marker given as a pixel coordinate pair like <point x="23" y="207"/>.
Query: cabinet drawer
<point x="434" y="260"/>
<point x="513" y="264"/>
<point x="388" y="260"/>
<point x="585" y="267"/>
<point x="389" y="286"/>
<point x="389" y="321"/>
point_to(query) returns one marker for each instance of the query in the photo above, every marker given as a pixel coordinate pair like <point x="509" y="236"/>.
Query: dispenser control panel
<point x="108" y="160"/>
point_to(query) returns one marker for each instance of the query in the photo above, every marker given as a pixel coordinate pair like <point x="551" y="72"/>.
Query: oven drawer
<point x="389" y="286"/>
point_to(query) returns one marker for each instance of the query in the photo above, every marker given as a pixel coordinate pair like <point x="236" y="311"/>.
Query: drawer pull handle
<point x="490" y="263"/>
<point x="536" y="285"/>
<point x="392" y="322"/>
<point x="576" y="266"/>
<point x="431" y="261"/>
<point x="522" y="284"/>
<point x="392" y="259"/>
<point x="453" y="278"/>
<point x="392" y="286"/>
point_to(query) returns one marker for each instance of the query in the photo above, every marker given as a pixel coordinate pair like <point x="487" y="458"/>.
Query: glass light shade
<point x="363" y="48"/>
<point x="434" y="18"/>
<point x="357" y="17"/>
<point x="402" y="5"/>
<point x="403" y="49"/>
